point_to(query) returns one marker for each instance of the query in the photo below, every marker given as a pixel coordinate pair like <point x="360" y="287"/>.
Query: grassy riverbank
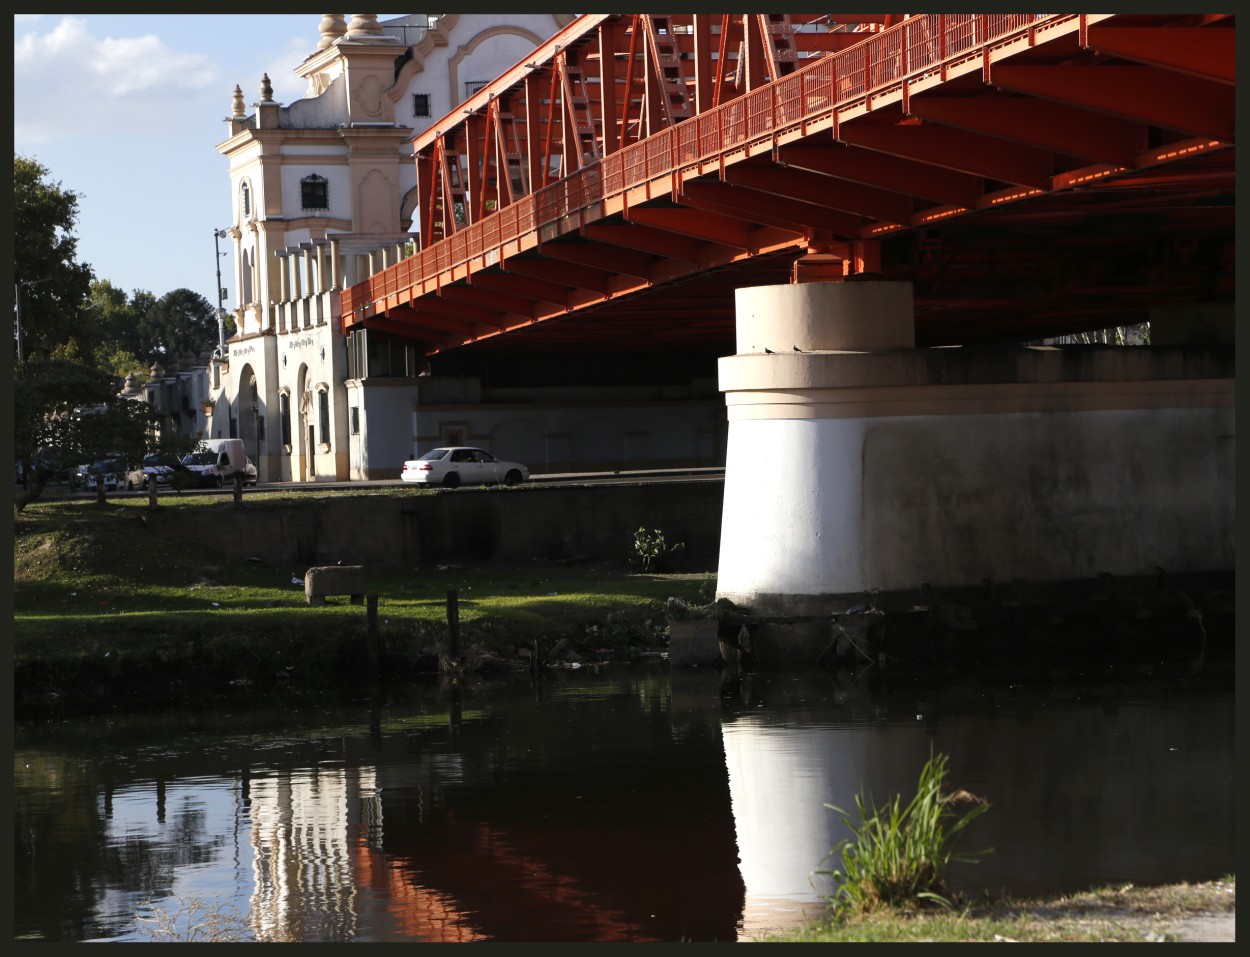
<point x="1171" y="912"/>
<point x="106" y="611"/>
<point x="108" y="615"/>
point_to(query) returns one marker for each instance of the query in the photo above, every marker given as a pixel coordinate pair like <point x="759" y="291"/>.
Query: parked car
<point x="203" y="469"/>
<point x="53" y="463"/>
<point x="249" y="472"/>
<point x="207" y="473"/>
<point x="461" y="465"/>
<point x="158" y="466"/>
<point x="114" y="473"/>
<point x="229" y="454"/>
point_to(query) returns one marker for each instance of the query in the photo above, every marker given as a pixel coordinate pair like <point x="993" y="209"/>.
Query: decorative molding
<point x="453" y="65"/>
<point x="400" y="88"/>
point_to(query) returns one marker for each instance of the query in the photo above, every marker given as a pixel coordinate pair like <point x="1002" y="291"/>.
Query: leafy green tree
<point x="119" y="363"/>
<point x="122" y="349"/>
<point x="116" y="318"/>
<point x="51" y="283"/>
<point x="66" y="412"/>
<point x="180" y="322"/>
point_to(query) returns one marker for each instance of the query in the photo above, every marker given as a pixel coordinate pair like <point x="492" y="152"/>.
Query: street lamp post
<point x="17" y="306"/>
<point x="218" y="235"/>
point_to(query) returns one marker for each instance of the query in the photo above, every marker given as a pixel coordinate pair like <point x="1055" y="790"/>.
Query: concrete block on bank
<point x="326" y="580"/>
<point x="693" y="642"/>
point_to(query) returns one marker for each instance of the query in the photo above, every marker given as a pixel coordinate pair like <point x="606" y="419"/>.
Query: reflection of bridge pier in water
<point x="779" y="781"/>
<point x="781" y="773"/>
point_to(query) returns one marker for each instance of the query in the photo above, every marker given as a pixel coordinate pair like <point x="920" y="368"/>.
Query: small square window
<point x="472" y="86"/>
<point x="420" y="104"/>
<point x="315" y="192"/>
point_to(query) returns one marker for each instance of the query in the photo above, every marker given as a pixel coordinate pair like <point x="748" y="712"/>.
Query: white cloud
<point x="68" y="83"/>
<point x="287" y="86"/>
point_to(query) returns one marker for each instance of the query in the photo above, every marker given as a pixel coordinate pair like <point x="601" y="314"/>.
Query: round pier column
<point x="790" y="529"/>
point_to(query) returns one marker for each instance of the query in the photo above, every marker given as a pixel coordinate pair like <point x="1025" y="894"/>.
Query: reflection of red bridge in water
<point x="1030" y="175"/>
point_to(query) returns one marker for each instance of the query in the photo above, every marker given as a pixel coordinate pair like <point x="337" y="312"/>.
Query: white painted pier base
<point x="857" y="463"/>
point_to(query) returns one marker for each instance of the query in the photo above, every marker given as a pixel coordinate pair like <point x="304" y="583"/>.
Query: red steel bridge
<point x="1030" y="174"/>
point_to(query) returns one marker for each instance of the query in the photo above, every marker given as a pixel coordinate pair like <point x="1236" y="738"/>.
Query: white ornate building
<point x="323" y="196"/>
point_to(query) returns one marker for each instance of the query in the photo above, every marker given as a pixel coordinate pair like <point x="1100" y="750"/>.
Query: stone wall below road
<point x="519" y="524"/>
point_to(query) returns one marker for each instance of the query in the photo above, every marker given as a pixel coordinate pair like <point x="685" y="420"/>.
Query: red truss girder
<point x="613" y="82"/>
<point x="634" y="150"/>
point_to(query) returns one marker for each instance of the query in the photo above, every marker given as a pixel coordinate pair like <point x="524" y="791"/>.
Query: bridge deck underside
<point x="1065" y="175"/>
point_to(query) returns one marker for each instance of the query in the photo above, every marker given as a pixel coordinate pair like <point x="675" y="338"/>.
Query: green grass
<point x="90" y="607"/>
<point x="1122" y="913"/>
<point x="899" y="855"/>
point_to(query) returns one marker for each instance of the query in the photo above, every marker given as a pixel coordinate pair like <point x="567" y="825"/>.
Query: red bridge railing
<point x="919" y="47"/>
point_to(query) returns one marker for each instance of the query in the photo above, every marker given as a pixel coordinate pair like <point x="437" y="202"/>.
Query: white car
<point x="158" y="467"/>
<point x="460" y="465"/>
<point x="114" y="473"/>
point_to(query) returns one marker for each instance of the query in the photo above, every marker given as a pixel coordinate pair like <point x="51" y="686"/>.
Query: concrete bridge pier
<point x="861" y="469"/>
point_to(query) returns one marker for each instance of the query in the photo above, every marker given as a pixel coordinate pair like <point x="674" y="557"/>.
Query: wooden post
<point x="371" y="639"/>
<point x="152" y="491"/>
<point x="238" y="488"/>
<point x="455" y="716"/>
<point x="453" y="625"/>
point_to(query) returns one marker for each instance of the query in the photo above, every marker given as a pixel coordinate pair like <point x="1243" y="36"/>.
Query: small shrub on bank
<point x="899" y="855"/>
<point x="651" y="552"/>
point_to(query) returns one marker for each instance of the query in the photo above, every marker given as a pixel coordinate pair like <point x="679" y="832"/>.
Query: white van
<point x="230" y="458"/>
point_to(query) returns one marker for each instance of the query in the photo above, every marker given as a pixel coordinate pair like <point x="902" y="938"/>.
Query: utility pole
<point x="218" y="235"/>
<point x="17" y="305"/>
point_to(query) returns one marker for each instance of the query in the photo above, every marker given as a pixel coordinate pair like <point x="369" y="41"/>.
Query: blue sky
<point x="127" y="111"/>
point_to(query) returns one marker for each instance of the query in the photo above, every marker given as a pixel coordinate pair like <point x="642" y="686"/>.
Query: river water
<point x="626" y="804"/>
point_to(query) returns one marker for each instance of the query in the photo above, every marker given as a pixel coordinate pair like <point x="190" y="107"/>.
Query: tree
<point x="51" y="283"/>
<point x="66" y="412"/>
<point x="180" y="322"/>
<point x="121" y="349"/>
<point x="116" y="318"/>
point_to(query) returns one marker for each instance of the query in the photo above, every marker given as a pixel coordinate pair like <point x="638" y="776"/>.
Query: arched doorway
<point x="304" y="468"/>
<point x="247" y="411"/>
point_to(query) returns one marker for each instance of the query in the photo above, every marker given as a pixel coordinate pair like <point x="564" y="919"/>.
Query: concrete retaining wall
<point x="948" y="467"/>
<point x="519" y="524"/>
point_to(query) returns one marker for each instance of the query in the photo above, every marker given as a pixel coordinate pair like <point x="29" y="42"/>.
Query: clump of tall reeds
<point x="193" y="921"/>
<point x="899" y="855"/>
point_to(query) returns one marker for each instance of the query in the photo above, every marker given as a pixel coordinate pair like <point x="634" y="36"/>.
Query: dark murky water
<point x="628" y="805"/>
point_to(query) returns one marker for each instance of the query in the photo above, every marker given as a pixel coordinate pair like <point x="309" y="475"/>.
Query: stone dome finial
<point x="266" y="89"/>
<point x="364" y="25"/>
<point x="332" y="27"/>
<point x="237" y="107"/>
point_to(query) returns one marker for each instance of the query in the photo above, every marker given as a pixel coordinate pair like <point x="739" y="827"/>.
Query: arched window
<point x="284" y="415"/>
<point x="245" y="200"/>
<point x="315" y="192"/>
<point x="323" y="414"/>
